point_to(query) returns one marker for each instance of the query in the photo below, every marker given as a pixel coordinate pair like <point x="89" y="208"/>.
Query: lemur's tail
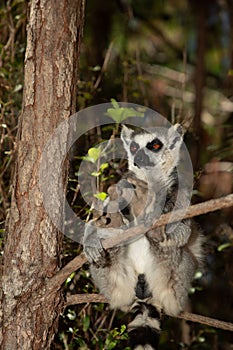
<point x="144" y="329"/>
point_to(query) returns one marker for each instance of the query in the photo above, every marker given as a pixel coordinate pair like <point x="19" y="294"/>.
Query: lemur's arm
<point x="92" y="242"/>
<point x="141" y="201"/>
<point x="128" y="195"/>
<point x="105" y="225"/>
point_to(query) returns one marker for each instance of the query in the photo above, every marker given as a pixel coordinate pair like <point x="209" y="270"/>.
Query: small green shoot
<point x="119" y="114"/>
<point x="93" y="155"/>
<point x="101" y="195"/>
<point x="224" y="246"/>
<point x="86" y="323"/>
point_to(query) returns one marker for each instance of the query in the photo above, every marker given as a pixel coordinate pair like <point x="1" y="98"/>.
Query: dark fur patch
<point x="144" y="336"/>
<point x="141" y="307"/>
<point x="141" y="159"/>
<point x="176" y="139"/>
<point x="142" y="288"/>
<point x="138" y="131"/>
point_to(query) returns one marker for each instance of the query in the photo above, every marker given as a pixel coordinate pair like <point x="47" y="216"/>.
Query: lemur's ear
<point x="175" y="136"/>
<point x="178" y="128"/>
<point x="126" y="134"/>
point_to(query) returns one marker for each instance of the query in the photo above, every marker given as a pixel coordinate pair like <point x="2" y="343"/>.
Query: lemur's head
<point x="153" y="155"/>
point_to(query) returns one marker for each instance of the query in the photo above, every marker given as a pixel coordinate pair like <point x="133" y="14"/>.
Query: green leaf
<point x="104" y="166"/>
<point x="69" y="279"/>
<point x="115" y="104"/>
<point x="71" y="315"/>
<point x="96" y="173"/>
<point x="122" y="113"/>
<point x="101" y="195"/>
<point x="101" y="169"/>
<point x="93" y="155"/>
<point x="86" y="323"/>
<point x="123" y="329"/>
<point x="198" y="275"/>
<point x="201" y="339"/>
<point x="119" y="114"/>
<point x="95" y="69"/>
<point x="87" y="95"/>
<point x="224" y="246"/>
<point x="18" y="88"/>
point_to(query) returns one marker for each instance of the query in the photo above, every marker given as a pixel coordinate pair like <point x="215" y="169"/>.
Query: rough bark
<point x="32" y="245"/>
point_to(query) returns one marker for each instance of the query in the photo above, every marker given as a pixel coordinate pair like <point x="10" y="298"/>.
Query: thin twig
<point x="104" y="66"/>
<point x="85" y="298"/>
<point x="188" y="316"/>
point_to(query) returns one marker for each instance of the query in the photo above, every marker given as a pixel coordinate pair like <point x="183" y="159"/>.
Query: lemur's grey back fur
<point x="154" y="272"/>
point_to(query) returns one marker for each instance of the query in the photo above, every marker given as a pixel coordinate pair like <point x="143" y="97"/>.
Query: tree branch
<point x="194" y="210"/>
<point x="98" y="298"/>
<point x="209" y="321"/>
<point x="198" y="209"/>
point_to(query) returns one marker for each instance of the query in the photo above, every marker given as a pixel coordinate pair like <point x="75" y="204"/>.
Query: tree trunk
<point x="201" y="10"/>
<point x="32" y="245"/>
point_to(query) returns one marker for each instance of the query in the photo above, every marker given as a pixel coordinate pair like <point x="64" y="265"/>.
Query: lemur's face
<point x="153" y="153"/>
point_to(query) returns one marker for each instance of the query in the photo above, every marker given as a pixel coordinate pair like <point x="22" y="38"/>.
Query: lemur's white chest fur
<point x="140" y="255"/>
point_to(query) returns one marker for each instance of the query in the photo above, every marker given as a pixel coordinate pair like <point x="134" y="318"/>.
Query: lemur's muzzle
<point x="141" y="159"/>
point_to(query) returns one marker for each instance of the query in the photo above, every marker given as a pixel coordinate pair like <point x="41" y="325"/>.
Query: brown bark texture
<point x="32" y="245"/>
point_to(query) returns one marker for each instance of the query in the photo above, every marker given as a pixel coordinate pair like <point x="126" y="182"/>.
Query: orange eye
<point x="156" y="146"/>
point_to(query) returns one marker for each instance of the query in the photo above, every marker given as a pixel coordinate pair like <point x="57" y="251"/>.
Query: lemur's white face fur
<point x="153" y="156"/>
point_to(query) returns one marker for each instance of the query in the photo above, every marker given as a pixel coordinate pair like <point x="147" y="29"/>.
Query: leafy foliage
<point x="119" y="114"/>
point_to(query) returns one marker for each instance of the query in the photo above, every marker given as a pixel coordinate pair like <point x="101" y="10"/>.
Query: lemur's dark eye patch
<point x="154" y="145"/>
<point x="134" y="147"/>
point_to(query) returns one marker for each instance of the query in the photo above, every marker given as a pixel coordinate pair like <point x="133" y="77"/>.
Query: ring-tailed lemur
<point x="154" y="272"/>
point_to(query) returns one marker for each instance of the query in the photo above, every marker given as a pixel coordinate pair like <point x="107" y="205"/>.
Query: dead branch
<point x="84" y="298"/>
<point x="194" y="210"/>
<point x="98" y="298"/>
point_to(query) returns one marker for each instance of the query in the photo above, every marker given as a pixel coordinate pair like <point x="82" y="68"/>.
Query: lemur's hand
<point x="92" y="245"/>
